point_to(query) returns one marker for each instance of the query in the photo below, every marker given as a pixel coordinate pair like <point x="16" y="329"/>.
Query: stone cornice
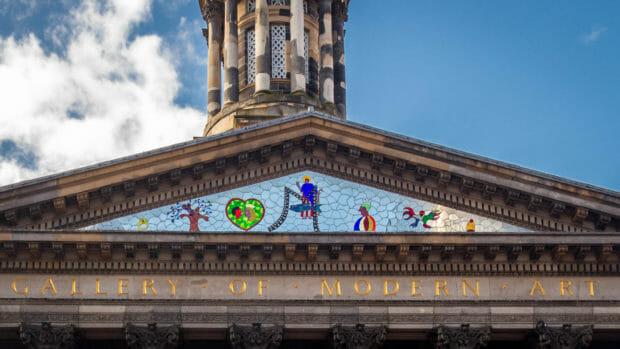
<point x="383" y="160"/>
<point x="475" y="253"/>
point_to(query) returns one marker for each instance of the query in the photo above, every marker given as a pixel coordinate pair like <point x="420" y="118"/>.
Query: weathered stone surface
<point x="48" y="337"/>
<point x="565" y="337"/>
<point x="465" y="337"/>
<point x="151" y="337"/>
<point x="358" y="337"/>
<point x="255" y="337"/>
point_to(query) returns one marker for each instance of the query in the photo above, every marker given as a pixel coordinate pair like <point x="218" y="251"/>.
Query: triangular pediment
<point x="275" y="154"/>
<point x="304" y="202"/>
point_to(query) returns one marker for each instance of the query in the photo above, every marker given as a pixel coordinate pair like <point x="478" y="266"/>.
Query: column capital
<point x="255" y="337"/>
<point x="46" y="336"/>
<point x="212" y="10"/>
<point x="340" y="11"/>
<point x="463" y="337"/>
<point x="151" y="337"/>
<point x="358" y="337"/>
<point x="565" y="337"/>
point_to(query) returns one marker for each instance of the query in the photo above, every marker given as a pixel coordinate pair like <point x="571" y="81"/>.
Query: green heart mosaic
<point x="245" y="214"/>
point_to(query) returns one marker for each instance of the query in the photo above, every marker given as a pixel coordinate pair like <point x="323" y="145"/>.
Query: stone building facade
<point x="287" y="226"/>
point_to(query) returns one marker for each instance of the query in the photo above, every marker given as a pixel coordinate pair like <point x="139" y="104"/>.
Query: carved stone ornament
<point x="358" y="337"/>
<point x="565" y="337"/>
<point x="255" y="337"/>
<point x="151" y="337"/>
<point x="463" y="337"/>
<point x="48" y="337"/>
<point x="213" y="11"/>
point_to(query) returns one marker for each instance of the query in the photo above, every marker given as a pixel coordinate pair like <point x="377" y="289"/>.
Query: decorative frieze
<point x="106" y="193"/>
<point x="35" y="212"/>
<point x="309" y="143"/>
<point x="153" y="182"/>
<point x="48" y="337"/>
<point x="255" y="336"/>
<point x="152" y="337"/>
<point x="467" y="185"/>
<point x="377" y="161"/>
<point x="129" y="187"/>
<point x="489" y="191"/>
<point x="399" y="167"/>
<point x="565" y="337"/>
<point x="197" y="171"/>
<point x="242" y="159"/>
<point x="60" y="205"/>
<point x="491" y="252"/>
<point x="358" y="337"/>
<point x="464" y="337"/>
<point x="534" y="203"/>
<point x="514" y="252"/>
<point x="82" y="200"/>
<point x="581" y="213"/>
<point x="175" y="176"/>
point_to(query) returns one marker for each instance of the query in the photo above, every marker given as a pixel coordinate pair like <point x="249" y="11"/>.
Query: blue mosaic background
<point x="340" y="208"/>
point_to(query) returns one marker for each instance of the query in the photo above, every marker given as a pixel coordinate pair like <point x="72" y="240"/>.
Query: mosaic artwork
<point x="245" y="214"/>
<point x="306" y="202"/>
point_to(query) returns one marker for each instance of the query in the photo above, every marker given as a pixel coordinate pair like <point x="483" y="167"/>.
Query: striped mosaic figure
<point x="366" y="222"/>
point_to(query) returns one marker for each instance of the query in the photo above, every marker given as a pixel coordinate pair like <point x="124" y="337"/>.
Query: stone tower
<point x="274" y="58"/>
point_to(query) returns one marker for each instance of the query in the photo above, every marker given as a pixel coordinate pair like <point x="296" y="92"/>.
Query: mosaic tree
<point x="180" y="211"/>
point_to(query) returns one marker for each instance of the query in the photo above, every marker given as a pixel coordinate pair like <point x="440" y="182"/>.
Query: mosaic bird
<point x="432" y="216"/>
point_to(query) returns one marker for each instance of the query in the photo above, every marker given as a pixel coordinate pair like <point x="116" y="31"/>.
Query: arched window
<point x="251" y="5"/>
<point x="251" y="55"/>
<point x="278" y="51"/>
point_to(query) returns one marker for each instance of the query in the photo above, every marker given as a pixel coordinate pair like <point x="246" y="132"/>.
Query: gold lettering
<point x="49" y="285"/>
<point x="232" y="287"/>
<point x="565" y="287"/>
<point x="74" y="291"/>
<point x="592" y="282"/>
<point x="385" y="287"/>
<point x="476" y="291"/>
<point x="441" y="285"/>
<point x="14" y="285"/>
<point x="148" y="283"/>
<point x="98" y="288"/>
<point x="357" y="289"/>
<point x="336" y="286"/>
<point x="539" y="286"/>
<point x="121" y="286"/>
<point x="173" y="287"/>
<point x="415" y="288"/>
<point x="261" y="286"/>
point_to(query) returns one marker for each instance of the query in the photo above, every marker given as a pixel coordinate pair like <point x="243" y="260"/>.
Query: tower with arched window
<point x="273" y="58"/>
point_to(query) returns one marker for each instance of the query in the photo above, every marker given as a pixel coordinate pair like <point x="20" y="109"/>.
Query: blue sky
<point x="532" y="83"/>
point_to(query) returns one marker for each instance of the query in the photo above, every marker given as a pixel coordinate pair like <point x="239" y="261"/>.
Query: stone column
<point x="214" y="12"/>
<point x="296" y="55"/>
<point x="462" y="337"/>
<point x="151" y="337"/>
<point x="326" y="70"/>
<point x="48" y="337"/>
<point x="263" y="48"/>
<point x="231" y="63"/>
<point x="339" y="11"/>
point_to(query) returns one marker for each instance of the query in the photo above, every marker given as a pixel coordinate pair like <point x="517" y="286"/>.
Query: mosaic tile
<point x="306" y="202"/>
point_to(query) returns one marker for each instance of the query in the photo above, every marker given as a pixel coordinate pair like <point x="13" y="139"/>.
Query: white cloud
<point x="594" y="34"/>
<point x="119" y="93"/>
